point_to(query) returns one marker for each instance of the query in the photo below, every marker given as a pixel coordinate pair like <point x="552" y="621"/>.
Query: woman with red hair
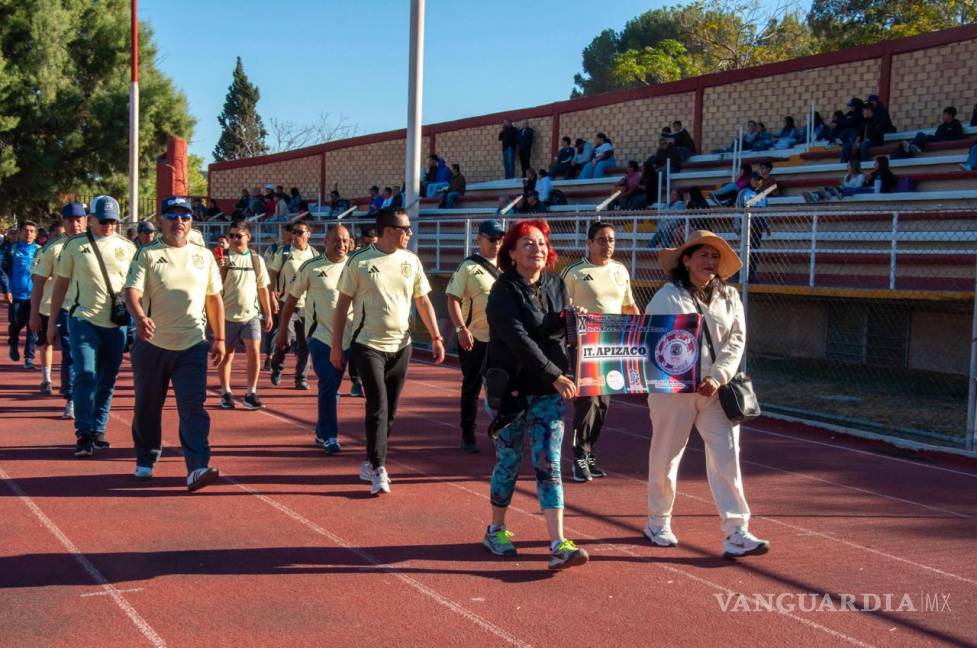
<point x="527" y="382"/>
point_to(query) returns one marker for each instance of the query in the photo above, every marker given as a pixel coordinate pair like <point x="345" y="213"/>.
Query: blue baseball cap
<point x="106" y="208"/>
<point x="491" y="228"/>
<point x="175" y="202"/>
<point x="73" y="210"/>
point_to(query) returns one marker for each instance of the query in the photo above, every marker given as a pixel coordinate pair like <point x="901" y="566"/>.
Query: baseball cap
<point x="873" y="99"/>
<point x="106" y="208"/>
<point x="175" y="202"/>
<point x="145" y="226"/>
<point x="73" y="210"/>
<point x="491" y="228"/>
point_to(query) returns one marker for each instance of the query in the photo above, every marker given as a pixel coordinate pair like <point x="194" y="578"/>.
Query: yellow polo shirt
<point x="174" y="282"/>
<point x="241" y="285"/>
<point x="598" y="288"/>
<point x="286" y="268"/>
<point x="45" y="266"/>
<point x="88" y="297"/>
<point x="383" y="288"/>
<point x="317" y="281"/>
<point x="471" y="284"/>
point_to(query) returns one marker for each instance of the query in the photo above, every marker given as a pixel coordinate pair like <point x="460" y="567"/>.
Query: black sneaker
<point x="84" y="447"/>
<point x="581" y="470"/>
<point x="46" y="388"/>
<point x="100" y="442"/>
<point x="302" y="385"/>
<point x="276" y="376"/>
<point x="14" y="353"/>
<point x="227" y="401"/>
<point x="332" y="447"/>
<point x="267" y="365"/>
<point x="252" y="402"/>
<point x="595" y="470"/>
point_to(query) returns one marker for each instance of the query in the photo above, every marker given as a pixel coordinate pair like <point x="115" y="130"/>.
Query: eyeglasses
<point x="236" y="236"/>
<point x="177" y="216"/>
<point x="299" y="232"/>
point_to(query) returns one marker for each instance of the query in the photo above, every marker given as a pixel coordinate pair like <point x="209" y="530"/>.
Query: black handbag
<point x="737" y="397"/>
<point x="118" y="314"/>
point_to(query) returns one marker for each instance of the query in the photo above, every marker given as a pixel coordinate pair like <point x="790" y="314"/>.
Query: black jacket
<point x="873" y="130"/>
<point x="683" y="139"/>
<point x="947" y="132"/>
<point x="524" y="139"/>
<point x="527" y="332"/>
<point x="508" y="136"/>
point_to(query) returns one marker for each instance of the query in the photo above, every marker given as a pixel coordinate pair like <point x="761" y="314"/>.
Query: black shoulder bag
<point x="118" y="315"/>
<point x="737" y="397"/>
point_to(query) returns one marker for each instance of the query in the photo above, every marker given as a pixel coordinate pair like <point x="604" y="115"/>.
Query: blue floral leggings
<point x="543" y="420"/>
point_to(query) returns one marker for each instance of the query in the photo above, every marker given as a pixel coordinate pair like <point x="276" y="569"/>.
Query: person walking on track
<point x="17" y="261"/>
<point x="597" y="284"/>
<point x="382" y="282"/>
<point x="173" y="292"/>
<point x="247" y="310"/>
<point x="468" y="292"/>
<point x="94" y="264"/>
<point x="368" y="236"/>
<point x="75" y="220"/>
<point x="282" y="269"/>
<point x="317" y="282"/>
<point x="699" y="270"/>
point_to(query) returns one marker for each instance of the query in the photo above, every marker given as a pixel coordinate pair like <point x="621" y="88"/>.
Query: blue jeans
<point x="67" y="364"/>
<point x="597" y="169"/>
<point x="509" y="162"/>
<point x="96" y="353"/>
<point x="432" y="188"/>
<point x="851" y="191"/>
<point x="18" y="316"/>
<point x="972" y="157"/>
<point x="327" y="424"/>
<point x="863" y="154"/>
<point x="450" y="198"/>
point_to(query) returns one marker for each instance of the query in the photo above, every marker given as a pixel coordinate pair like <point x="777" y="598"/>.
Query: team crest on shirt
<point x="618" y="276"/>
<point x="120" y="254"/>
<point x="406" y="269"/>
<point x="198" y="261"/>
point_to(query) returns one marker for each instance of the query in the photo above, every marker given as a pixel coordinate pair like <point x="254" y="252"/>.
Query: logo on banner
<point x="615" y="380"/>
<point x="676" y="352"/>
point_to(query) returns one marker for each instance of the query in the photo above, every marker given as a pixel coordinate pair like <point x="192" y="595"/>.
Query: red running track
<point x="290" y="549"/>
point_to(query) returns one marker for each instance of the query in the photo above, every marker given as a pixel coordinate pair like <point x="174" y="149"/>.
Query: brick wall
<point x="634" y="126"/>
<point x="356" y="168"/>
<point x="727" y="107"/>
<point x="226" y="184"/>
<point x="479" y="152"/>
<point x="926" y="81"/>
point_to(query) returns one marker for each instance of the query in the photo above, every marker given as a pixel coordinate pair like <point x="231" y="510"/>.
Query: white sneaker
<point x="143" y="472"/>
<point x="366" y="471"/>
<point x="69" y="410"/>
<point x="743" y="543"/>
<point x="380" y="481"/>
<point x="202" y="477"/>
<point x="661" y="536"/>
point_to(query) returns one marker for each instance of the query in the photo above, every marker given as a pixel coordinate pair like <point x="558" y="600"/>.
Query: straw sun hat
<point x="729" y="262"/>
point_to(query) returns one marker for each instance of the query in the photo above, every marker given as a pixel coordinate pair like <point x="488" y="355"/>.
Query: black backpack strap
<point x="705" y="329"/>
<point x="101" y="263"/>
<point x="484" y="263"/>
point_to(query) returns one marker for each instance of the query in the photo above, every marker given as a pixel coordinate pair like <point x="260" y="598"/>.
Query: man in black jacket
<point x="682" y="142"/>
<point x="563" y="164"/>
<point x="508" y="136"/>
<point x="872" y="133"/>
<point x="524" y="146"/>
<point x="949" y="129"/>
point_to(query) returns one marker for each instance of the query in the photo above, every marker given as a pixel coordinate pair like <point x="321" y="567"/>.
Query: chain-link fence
<point x="858" y="319"/>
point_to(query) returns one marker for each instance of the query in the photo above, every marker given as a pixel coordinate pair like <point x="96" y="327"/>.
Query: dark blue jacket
<point x="18" y="258"/>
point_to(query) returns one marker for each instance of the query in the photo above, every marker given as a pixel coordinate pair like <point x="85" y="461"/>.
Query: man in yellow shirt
<point x="282" y="270"/>
<point x="368" y="236"/>
<point x="75" y="220"/>
<point x="597" y="284"/>
<point x="247" y="310"/>
<point x="98" y="337"/>
<point x="468" y="292"/>
<point x="173" y="292"/>
<point x="318" y="282"/>
<point x="382" y="282"/>
<point x="268" y="339"/>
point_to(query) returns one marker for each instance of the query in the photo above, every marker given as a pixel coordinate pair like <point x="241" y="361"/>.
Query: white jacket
<point x="726" y="322"/>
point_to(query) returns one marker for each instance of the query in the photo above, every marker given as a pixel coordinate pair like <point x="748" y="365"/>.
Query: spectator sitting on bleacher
<point x="442" y="175"/>
<point x="455" y="189"/>
<point x="762" y="140"/>
<point x="789" y="135"/>
<point x="584" y="153"/>
<point x="880" y="180"/>
<point x="529" y="181"/>
<point x="563" y="162"/>
<point x="682" y="141"/>
<point x="632" y="191"/>
<point x="397" y="200"/>
<point x="881" y="113"/>
<point x="971" y="162"/>
<point x="822" y="132"/>
<point x="199" y="210"/>
<point x="302" y="213"/>
<point x="243" y="201"/>
<point x="871" y="134"/>
<point x="544" y="186"/>
<point x="850" y="124"/>
<point x="697" y="200"/>
<point x="388" y="197"/>
<point x="256" y="204"/>
<point x="949" y="129"/>
<point x="532" y="205"/>
<point x="214" y="213"/>
<point x="749" y="137"/>
<point x="728" y="192"/>
<point x="281" y="205"/>
<point x="666" y="156"/>
<point x="603" y="158"/>
<point x="294" y="199"/>
<point x="270" y="204"/>
<point x="853" y="179"/>
<point x="765" y="169"/>
<point x="836" y="126"/>
<point x="675" y="202"/>
<point x="750" y="193"/>
<point x="376" y="200"/>
<point x="337" y="204"/>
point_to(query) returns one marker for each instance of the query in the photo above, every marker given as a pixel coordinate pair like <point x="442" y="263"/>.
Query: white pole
<point x="134" y="119"/>
<point x="668" y="183"/>
<point x="415" y="100"/>
<point x="745" y="226"/>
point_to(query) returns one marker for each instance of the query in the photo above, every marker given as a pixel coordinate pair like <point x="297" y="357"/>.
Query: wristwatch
<point x="460" y="328"/>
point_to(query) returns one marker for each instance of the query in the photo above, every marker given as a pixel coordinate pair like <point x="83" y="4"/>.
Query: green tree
<point x="196" y="176"/>
<point x="242" y="131"/>
<point x="668" y="61"/>
<point x="64" y="102"/>
<point x="846" y="23"/>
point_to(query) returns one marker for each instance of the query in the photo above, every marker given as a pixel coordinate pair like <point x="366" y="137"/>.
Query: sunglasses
<point x="236" y="236"/>
<point x="177" y="216"/>
<point x="406" y="229"/>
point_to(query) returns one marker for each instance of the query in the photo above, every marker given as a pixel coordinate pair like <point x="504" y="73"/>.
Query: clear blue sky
<point x="350" y="57"/>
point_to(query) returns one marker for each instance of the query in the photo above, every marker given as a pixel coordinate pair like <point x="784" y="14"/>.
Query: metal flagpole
<point x="134" y="119"/>
<point x="415" y="100"/>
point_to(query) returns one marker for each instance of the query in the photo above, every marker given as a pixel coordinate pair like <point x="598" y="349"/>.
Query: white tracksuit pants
<point x="672" y="418"/>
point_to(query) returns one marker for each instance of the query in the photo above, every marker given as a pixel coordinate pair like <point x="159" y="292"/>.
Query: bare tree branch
<point x="288" y="135"/>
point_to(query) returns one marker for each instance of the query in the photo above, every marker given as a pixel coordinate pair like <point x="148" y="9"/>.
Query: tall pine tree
<point x="243" y="133"/>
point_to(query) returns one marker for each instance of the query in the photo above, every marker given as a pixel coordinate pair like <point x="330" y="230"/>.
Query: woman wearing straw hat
<point x="698" y="271"/>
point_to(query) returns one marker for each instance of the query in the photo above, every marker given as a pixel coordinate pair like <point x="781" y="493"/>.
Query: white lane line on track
<point x="121" y="591"/>
<point x="452" y="605"/>
<point x="107" y="588"/>
<point x="674" y="570"/>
